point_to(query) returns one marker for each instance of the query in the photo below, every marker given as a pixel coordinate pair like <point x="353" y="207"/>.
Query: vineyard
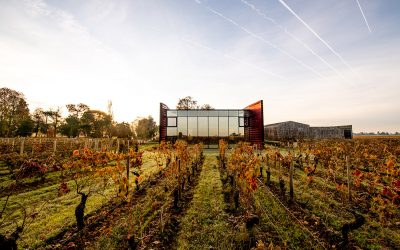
<point x="116" y="194"/>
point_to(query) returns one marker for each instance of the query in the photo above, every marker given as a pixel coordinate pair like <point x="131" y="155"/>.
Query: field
<point x="111" y="194"/>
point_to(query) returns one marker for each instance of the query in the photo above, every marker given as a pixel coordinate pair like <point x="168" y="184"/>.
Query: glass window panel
<point x="171" y="122"/>
<point x="213" y="126"/>
<point x="192" y="126"/>
<point x="241" y="121"/>
<point x="241" y="113"/>
<point x="223" y="126"/>
<point x="203" y="113"/>
<point x="172" y="131"/>
<point x="233" y="112"/>
<point x="223" y="113"/>
<point x="182" y="112"/>
<point x="246" y="113"/>
<point x="212" y="113"/>
<point x="182" y="126"/>
<point x="192" y="113"/>
<point x="203" y="126"/>
<point x="241" y="131"/>
<point x="233" y="126"/>
<point x="172" y="113"/>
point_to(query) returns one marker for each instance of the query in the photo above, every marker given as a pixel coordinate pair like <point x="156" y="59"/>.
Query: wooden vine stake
<point x="127" y="174"/>
<point x="54" y="146"/>
<point x="291" y="181"/>
<point x="21" y="150"/>
<point x="348" y="177"/>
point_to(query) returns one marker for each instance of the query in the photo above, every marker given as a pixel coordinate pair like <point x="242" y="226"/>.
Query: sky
<point x="330" y="62"/>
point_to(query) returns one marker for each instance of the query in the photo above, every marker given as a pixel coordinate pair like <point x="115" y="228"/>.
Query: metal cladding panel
<point x="254" y="133"/>
<point x="163" y="121"/>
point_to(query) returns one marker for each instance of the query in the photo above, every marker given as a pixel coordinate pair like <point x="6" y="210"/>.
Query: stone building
<point x="291" y="130"/>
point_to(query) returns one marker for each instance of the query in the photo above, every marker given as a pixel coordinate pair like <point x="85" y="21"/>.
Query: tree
<point x="95" y="123"/>
<point x="187" y="103"/>
<point x="13" y="110"/>
<point x="25" y="127"/>
<point x="71" y="127"/>
<point x="38" y="119"/>
<point x="146" y="128"/>
<point x="73" y="124"/>
<point x="55" y="116"/>
<point x="77" y="110"/>
<point x="206" y="107"/>
<point x="122" y="130"/>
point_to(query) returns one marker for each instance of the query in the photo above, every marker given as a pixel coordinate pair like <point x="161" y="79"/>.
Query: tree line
<point x="16" y="120"/>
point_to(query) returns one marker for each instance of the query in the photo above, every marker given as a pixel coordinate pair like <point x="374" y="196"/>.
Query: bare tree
<point x="187" y="103"/>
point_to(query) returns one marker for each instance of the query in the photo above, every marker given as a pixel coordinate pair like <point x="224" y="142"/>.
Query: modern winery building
<point x="209" y="126"/>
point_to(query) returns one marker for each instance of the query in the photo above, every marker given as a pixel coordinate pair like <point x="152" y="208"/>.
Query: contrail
<point x="197" y="44"/>
<point x="318" y="36"/>
<point x="266" y="42"/>
<point x="263" y="15"/>
<point x="263" y="40"/>
<point x="365" y="19"/>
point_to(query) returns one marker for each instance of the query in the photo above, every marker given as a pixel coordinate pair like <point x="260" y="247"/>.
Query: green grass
<point x="282" y="229"/>
<point x="205" y="226"/>
<point x="321" y="201"/>
<point x="58" y="212"/>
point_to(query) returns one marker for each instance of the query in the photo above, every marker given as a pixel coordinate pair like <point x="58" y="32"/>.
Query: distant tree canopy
<point x="146" y="128"/>
<point x="189" y="103"/>
<point x="206" y="107"/>
<point x="15" y="119"/>
<point x="73" y="124"/>
<point x="186" y="103"/>
<point x="96" y="123"/>
<point x="122" y="130"/>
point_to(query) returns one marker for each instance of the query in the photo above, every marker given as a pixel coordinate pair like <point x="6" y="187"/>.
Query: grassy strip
<point x="278" y="226"/>
<point x="135" y="220"/>
<point x="320" y="201"/>
<point x="59" y="212"/>
<point x="205" y="224"/>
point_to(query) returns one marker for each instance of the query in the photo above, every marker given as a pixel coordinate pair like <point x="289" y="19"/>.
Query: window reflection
<point x="172" y="113"/>
<point x="241" y="121"/>
<point x="192" y="113"/>
<point x="207" y="126"/>
<point x="213" y="126"/>
<point x="233" y="126"/>
<point x="203" y="126"/>
<point x="171" y="122"/>
<point x="202" y="113"/>
<point x="223" y="126"/>
<point x="182" y="126"/>
<point x="192" y="126"/>
<point x="233" y="113"/>
<point x="172" y="131"/>
<point x="241" y="131"/>
<point x="182" y="112"/>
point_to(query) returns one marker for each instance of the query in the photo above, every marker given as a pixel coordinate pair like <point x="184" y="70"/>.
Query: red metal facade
<point x="163" y="121"/>
<point x="254" y="133"/>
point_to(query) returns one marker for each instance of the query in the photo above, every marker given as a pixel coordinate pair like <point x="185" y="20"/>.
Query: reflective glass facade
<point x="208" y="126"/>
